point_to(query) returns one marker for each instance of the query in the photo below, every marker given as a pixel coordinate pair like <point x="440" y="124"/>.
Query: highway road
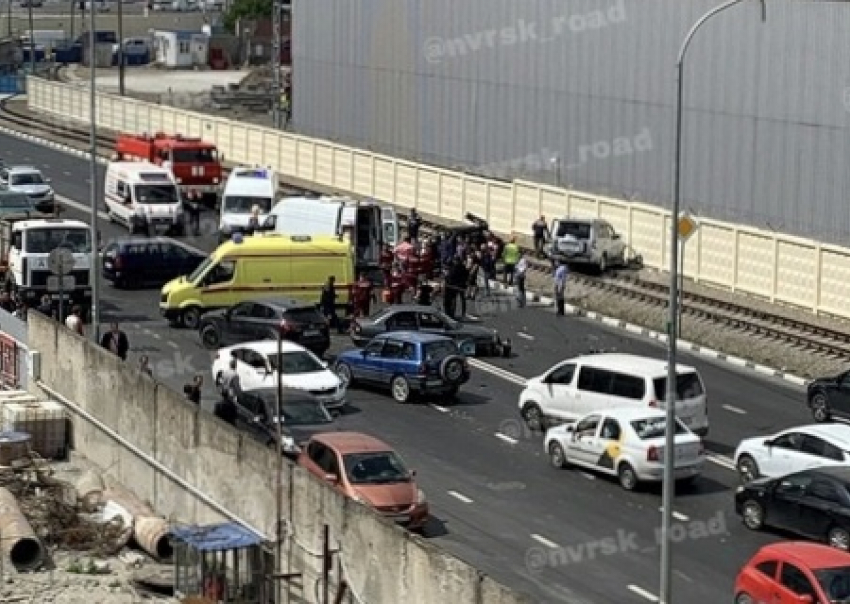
<point x="561" y="536"/>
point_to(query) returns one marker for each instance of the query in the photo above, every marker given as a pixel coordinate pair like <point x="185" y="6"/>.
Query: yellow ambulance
<point x="291" y="266"/>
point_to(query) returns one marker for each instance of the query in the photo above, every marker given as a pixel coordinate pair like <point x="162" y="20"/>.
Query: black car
<point x="262" y="320"/>
<point x="427" y="319"/>
<point x="814" y="503"/>
<point x="829" y="397"/>
<point x="303" y="416"/>
<point x="147" y="261"/>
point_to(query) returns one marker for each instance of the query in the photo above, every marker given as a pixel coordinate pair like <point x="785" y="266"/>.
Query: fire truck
<point x="195" y="164"/>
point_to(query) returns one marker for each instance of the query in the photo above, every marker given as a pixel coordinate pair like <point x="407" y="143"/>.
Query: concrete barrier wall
<point x="772" y="266"/>
<point x="382" y="562"/>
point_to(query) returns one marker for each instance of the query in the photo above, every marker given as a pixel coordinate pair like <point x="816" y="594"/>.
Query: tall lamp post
<point x="669" y="488"/>
<point x="95" y="253"/>
<point x="278" y="553"/>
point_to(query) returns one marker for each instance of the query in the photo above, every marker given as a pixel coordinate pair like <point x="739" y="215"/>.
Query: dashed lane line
<point x="438" y="408"/>
<point x="544" y="541"/>
<point x="677" y="515"/>
<point x="721" y="460"/>
<point x="732" y="409"/>
<point x="506" y="438"/>
<point x="174" y="345"/>
<point x="460" y="497"/>
<point x="646" y="595"/>
<point x="525" y="336"/>
<point x="588" y="475"/>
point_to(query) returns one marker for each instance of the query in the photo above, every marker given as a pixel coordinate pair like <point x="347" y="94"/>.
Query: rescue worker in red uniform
<point x="412" y="270"/>
<point x="397" y="285"/>
<point x="363" y="296"/>
<point x="386" y="264"/>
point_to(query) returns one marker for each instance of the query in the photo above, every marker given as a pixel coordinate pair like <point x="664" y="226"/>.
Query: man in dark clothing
<point x="193" y="390"/>
<point x="193" y="208"/>
<point x="456" y="280"/>
<point x="424" y="293"/>
<point x="327" y="303"/>
<point x="226" y="411"/>
<point x="540" y="230"/>
<point x="46" y="307"/>
<point x="414" y="223"/>
<point x="116" y="342"/>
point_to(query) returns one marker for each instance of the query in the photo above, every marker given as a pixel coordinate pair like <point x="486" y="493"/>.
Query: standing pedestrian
<point x="540" y="230"/>
<point x="488" y="268"/>
<point x="229" y="383"/>
<point x="510" y="257"/>
<point x="254" y="220"/>
<point x="193" y="208"/>
<point x="327" y="303"/>
<point x="46" y="307"/>
<point x="414" y="224"/>
<point x="193" y="391"/>
<point x="473" y="268"/>
<point x="521" y="271"/>
<point x="424" y="293"/>
<point x="74" y="322"/>
<point x="386" y="264"/>
<point x="116" y="342"/>
<point x="145" y="365"/>
<point x="403" y="251"/>
<point x="561" y="274"/>
<point x="363" y="296"/>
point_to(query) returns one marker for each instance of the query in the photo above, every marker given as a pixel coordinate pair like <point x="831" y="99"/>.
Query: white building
<point x="181" y="49"/>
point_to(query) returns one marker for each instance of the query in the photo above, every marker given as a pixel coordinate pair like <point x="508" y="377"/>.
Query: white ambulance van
<point x="246" y="189"/>
<point x="143" y="197"/>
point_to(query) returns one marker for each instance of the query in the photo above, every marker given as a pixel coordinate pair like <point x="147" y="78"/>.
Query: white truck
<point x="26" y="243"/>
<point x="369" y="225"/>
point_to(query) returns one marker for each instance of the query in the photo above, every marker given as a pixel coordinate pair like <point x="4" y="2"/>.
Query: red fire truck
<point x="195" y="164"/>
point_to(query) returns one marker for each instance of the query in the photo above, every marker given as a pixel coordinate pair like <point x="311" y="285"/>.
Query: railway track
<point x="780" y="328"/>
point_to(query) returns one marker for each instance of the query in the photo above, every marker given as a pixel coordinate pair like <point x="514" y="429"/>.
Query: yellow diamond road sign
<point x="687" y="226"/>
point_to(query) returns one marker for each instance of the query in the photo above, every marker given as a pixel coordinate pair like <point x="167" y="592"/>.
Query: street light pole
<point x="276" y="83"/>
<point x="95" y="254"/>
<point x="32" y="36"/>
<point x="669" y="484"/>
<point x="278" y="557"/>
<point x="121" y="47"/>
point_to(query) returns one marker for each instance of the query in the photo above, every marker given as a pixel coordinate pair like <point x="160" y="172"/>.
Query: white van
<point x="371" y="225"/>
<point x="245" y="189"/>
<point x="144" y="197"/>
<point x="582" y="385"/>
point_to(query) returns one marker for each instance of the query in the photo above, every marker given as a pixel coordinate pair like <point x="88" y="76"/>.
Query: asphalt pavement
<point x="561" y="536"/>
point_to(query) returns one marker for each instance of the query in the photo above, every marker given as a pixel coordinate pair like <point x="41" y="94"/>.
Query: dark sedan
<point x="262" y="320"/>
<point x="427" y="319"/>
<point x="829" y="397"/>
<point x="147" y="261"/>
<point x="814" y="503"/>
<point x="303" y="416"/>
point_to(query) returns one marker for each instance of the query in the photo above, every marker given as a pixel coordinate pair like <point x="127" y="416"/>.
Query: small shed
<point x="221" y="562"/>
<point x="181" y="49"/>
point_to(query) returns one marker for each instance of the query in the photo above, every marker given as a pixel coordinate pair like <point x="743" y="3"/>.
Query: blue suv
<point x="408" y="363"/>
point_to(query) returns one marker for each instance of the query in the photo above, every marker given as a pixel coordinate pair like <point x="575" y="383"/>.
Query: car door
<point x="765" y="582"/>
<point x="176" y="259"/>
<point x="430" y="322"/>
<point x="816" y="452"/>
<point x="582" y="447"/>
<point x="251" y="408"/>
<point x="258" y="322"/>
<point x="839" y="400"/>
<point x="594" y="389"/>
<point x="822" y="502"/>
<point x="235" y="326"/>
<point x="403" y="320"/>
<point x="557" y="392"/>
<point x="391" y="362"/>
<point x="784" y="509"/>
<point x="253" y="371"/>
<point x="605" y="447"/>
<point x="793" y="584"/>
<point x="783" y="455"/>
<point x="368" y="369"/>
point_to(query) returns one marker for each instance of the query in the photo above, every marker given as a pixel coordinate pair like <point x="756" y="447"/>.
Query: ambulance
<point x="143" y="197"/>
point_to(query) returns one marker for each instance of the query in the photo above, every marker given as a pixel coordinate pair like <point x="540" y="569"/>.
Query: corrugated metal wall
<point x="583" y="91"/>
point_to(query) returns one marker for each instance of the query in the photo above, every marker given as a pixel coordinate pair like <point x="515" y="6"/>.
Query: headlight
<point x="420" y="497"/>
<point x="740" y="489"/>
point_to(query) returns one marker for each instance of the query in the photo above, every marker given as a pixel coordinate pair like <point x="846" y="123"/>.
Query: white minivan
<point x="247" y="189"/>
<point x="582" y="385"/>
<point x="144" y="197"/>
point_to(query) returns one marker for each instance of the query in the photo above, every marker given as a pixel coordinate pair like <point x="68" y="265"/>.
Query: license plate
<point x="311" y="332"/>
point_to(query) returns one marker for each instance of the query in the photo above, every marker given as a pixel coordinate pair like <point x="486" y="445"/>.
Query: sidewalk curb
<point x="532" y="297"/>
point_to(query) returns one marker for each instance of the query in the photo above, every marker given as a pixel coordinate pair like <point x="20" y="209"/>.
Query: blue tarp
<point x="12" y="84"/>
<point x="216" y="537"/>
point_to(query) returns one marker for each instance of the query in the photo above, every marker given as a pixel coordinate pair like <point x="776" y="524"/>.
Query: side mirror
<point x="616" y="236"/>
<point x="768" y="443"/>
<point x="325" y="364"/>
<point x="413" y="473"/>
<point x="570" y="428"/>
<point x="332" y="478"/>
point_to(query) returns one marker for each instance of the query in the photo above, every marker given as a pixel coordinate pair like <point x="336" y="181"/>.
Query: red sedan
<point x="795" y="572"/>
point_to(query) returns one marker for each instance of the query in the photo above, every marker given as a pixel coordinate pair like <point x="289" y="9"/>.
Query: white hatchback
<point x="627" y="443"/>
<point x="257" y="364"/>
<point x="793" y="450"/>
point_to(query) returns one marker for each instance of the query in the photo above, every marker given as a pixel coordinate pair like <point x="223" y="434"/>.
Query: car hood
<point x="317" y="380"/>
<point x="385" y="495"/>
<point x="172" y="285"/>
<point x="32" y="189"/>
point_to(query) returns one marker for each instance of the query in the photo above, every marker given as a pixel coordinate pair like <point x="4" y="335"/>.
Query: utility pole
<point x="277" y="89"/>
<point x="32" y="36"/>
<point x="121" y="47"/>
<point x="9" y="17"/>
<point x="71" y="33"/>
<point x="95" y="255"/>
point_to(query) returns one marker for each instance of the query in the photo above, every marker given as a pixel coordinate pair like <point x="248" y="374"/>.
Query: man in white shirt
<point x="230" y="386"/>
<point x="520" y="273"/>
<point x="561" y="274"/>
<point x="74" y="322"/>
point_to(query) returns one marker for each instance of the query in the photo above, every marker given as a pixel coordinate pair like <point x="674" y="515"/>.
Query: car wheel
<point x="452" y="369"/>
<point x="752" y="513"/>
<point x="603" y="264"/>
<point x="400" y="389"/>
<point x="627" y="476"/>
<point x="838" y="538"/>
<point x="343" y="372"/>
<point x="533" y="417"/>
<point x="190" y="317"/>
<point x="557" y="456"/>
<point x="820" y="408"/>
<point x="748" y="469"/>
<point x="744" y="599"/>
<point x="210" y="338"/>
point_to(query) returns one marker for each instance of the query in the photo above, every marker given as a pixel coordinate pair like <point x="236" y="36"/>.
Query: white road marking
<point x="156" y="336"/>
<point x="173" y="345"/>
<point x="525" y="335"/>
<point x="498" y="372"/>
<point x="677" y="515"/>
<point x="646" y="595"/>
<point x="438" y="408"/>
<point x="506" y="438"/>
<point x="721" y="460"/>
<point x="588" y="476"/>
<point x="460" y="497"/>
<point x="544" y="541"/>
<point x="683" y="576"/>
<point x="67" y="173"/>
<point x="473" y="317"/>
<point x="737" y="410"/>
<point x="136" y="326"/>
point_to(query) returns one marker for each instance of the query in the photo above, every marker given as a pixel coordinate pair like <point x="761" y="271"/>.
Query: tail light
<point x="652" y="454"/>
<point x="653" y="403"/>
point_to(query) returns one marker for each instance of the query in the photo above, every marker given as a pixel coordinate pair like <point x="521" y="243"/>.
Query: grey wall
<point x="502" y="87"/>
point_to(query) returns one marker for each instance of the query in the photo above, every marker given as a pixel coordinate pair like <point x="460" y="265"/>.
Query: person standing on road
<point x="254" y="220"/>
<point x="561" y="274"/>
<point x="327" y="303"/>
<point x="193" y="390"/>
<point x="46" y="307"/>
<point x="363" y="296"/>
<point x="116" y="342"/>
<point x="230" y="384"/>
<point x="510" y="257"/>
<point x="540" y="230"/>
<point x="74" y="322"/>
<point x="521" y="272"/>
<point x="193" y="208"/>
<point x="414" y="224"/>
<point x="145" y="365"/>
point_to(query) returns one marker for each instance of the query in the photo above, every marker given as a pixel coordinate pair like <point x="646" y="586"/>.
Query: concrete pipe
<point x="90" y="489"/>
<point x="19" y="541"/>
<point x="153" y="536"/>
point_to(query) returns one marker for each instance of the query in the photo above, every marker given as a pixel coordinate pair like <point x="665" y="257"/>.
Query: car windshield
<point x="292" y="363"/>
<point x="43" y="241"/>
<point x="240" y="204"/>
<point x="299" y="412"/>
<point x="579" y="230"/>
<point x="375" y="468"/>
<point x="194" y="156"/>
<point x="26" y="178"/>
<point x="202" y="268"/>
<point x="654" y="427"/>
<point x="436" y="351"/>
<point x="688" y="386"/>
<point x="835" y="583"/>
<point x="156" y="194"/>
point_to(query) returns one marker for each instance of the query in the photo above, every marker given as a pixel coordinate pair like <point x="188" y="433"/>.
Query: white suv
<point x="587" y="241"/>
<point x="31" y="182"/>
<point x="582" y="385"/>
